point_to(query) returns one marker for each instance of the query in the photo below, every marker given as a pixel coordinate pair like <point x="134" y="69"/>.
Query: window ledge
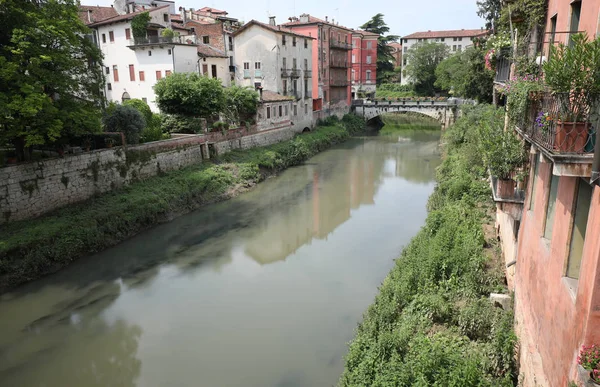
<point x="571" y="284"/>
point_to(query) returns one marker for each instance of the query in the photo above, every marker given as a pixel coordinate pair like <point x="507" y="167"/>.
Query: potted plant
<point x="572" y="74"/>
<point x="588" y="364"/>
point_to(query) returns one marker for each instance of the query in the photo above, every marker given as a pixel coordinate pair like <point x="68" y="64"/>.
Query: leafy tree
<point x="125" y="119"/>
<point x="139" y="24"/>
<point x="385" y="58"/>
<point x="241" y="103"/>
<point x="465" y="74"/>
<point x="423" y="58"/>
<point x="50" y="74"/>
<point x="141" y="107"/>
<point x="489" y="10"/>
<point x="190" y="95"/>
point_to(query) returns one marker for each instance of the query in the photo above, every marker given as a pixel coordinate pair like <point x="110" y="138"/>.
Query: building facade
<point x="364" y="63"/>
<point x="277" y="60"/>
<point x="456" y="40"/>
<point x="331" y="59"/>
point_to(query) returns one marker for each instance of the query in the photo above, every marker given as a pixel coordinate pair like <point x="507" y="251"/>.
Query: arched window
<point x="125" y="97"/>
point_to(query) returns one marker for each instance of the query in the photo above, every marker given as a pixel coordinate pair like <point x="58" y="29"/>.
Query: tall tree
<point x="490" y="10"/>
<point x="50" y="74"/>
<point x="385" y="59"/>
<point x="422" y="60"/>
<point x="465" y="74"/>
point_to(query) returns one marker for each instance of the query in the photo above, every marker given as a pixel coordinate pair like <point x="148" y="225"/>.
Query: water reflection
<point x="199" y="301"/>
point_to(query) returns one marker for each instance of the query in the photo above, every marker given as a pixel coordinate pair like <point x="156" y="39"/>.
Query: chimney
<point x="272" y="21"/>
<point x="326" y="18"/>
<point x="332" y="20"/>
<point x="183" y="15"/>
<point x="89" y="15"/>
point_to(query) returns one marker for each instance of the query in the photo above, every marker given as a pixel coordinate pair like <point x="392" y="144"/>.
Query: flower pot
<point x="505" y="188"/>
<point x="571" y="136"/>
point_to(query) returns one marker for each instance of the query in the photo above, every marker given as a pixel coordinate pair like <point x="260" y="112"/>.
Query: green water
<point x="408" y="125"/>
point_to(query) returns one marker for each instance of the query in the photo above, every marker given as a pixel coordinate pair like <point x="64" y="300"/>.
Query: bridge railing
<point x="449" y="102"/>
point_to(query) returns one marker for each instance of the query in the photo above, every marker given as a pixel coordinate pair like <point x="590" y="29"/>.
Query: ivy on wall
<point x="139" y="24"/>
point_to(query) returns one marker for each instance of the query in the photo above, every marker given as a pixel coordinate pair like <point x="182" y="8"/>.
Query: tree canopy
<point x="190" y="95"/>
<point x="465" y="75"/>
<point x="241" y="103"/>
<point x="50" y="74"/>
<point x="385" y="59"/>
<point x="422" y="60"/>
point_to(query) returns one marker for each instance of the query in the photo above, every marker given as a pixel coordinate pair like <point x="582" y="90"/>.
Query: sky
<point x="402" y="16"/>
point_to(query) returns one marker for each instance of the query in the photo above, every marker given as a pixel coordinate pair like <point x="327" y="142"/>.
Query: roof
<point x="365" y="33"/>
<point x="395" y="45"/>
<point x="312" y="20"/>
<point x="446" y="34"/>
<point x="271" y="96"/>
<point x="98" y="13"/>
<point x="278" y="29"/>
<point x="211" y="10"/>
<point x="204" y="50"/>
<point x="127" y="16"/>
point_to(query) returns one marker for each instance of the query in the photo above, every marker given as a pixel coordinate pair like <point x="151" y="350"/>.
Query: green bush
<point x="125" y="119"/>
<point x="171" y="123"/>
<point x="141" y="107"/>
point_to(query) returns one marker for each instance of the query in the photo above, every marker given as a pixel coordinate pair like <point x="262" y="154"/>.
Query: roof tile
<point x="446" y="34"/>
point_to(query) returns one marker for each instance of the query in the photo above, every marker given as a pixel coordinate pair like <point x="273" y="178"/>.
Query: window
<point x="455" y="39"/>
<point x="107" y="70"/>
<point x="166" y="17"/>
<point x="293" y="41"/>
<point x="103" y="38"/>
<point x="368" y="75"/>
<point x="575" y="16"/>
<point x="115" y="73"/>
<point x="280" y="110"/>
<point x="353" y="58"/>
<point x="145" y="99"/>
<point x="295" y="86"/>
<point x="460" y="39"/>
<point x="551" y="207"/>
<point x="149" y="52"/>
<point x="256" y="65"/>
<point x="325" y="95"/>
<point x="284" y="63"/>
<point x="295" y="110"/>
<point x="109" y="86"/>
<point x="582" y="209"/>
<point x="231" y="43"/>
<point x="205" y="69"/>
<point x="167" y="73"/>
<point x="206" y="39"/>
<point x="294" y="63"/>
<point x="404" y="62"/>
<point x="368" y="59"/>
<point x="369" y="45"/>
<point x="127" y="33"/>
<point x="460" y="47"/>
<point x="442" y="39"/>
<point x="552" y="29"/>
<point x="111" y="36"/>
<point x="283" y="40"/>
<point x="534" y="184"/>
<point x="169" y="51"/>
<point x="246" y="65"/>
<point x="158" y="75"/>
<point x="142" y="77"/>
<point x="306" y="87"/>
<point x="353" y="75"/>
<point x="305" y="108"/>
<point x="454" y="47"/>
<point x="306" y="64"/>
<point x="213" y="69"/>
<point x="285" y="87"/>
<point x="131" y="73"/>
<point x="324" y="36"/>
<point x="286" y="110"/>
<point x="268" y="112"/>
<point x="354" y="43"/>
<point x="405" y="40"/>
<point x="405" y="49"/>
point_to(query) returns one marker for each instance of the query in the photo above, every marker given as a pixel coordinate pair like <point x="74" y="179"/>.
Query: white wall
<point x="222" y="69"/>
<point x="257" y="44"/>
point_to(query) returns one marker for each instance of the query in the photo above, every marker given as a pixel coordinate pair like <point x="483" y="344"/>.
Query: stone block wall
<point x="263" y="138"/>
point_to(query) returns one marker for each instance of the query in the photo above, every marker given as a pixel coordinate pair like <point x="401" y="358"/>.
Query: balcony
<point x="339" y="63"/>
<point x="295" y="73"/>
<point x="159" y="40"/>
<point x="340" y="45"/>
<point x="338" y="82"/>
<point x="307" y="73"/>
<point x="503" y="67"/>
<point x="285" y="73"/>
<point x="567" y="140"/>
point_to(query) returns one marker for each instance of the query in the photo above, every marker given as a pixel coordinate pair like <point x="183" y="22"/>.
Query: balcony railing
<point x="338" y="82"/>
<point x="295" y="73"/>
<point x="285" y="72"/>
<point x="246" y="73"/>
<point x="503" y="67"/>
<point x="341" y="45"/>
<point x="307" y="73"/>
<point x="339" y="63"/>
<point x="308" y="94"/>
<point x="185" y="39"/>
<point x="553" y="122"/>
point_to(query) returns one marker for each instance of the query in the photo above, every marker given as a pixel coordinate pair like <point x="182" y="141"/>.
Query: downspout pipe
<point x="595" y="178"/>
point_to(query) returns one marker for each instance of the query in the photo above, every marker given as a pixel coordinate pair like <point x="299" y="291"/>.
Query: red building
<point x="332" y="61"/>
<point x="551" y="241"/>
<point x="364" y="63"/>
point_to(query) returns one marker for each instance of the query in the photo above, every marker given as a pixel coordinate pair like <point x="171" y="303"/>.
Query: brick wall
<point x="213" y="31"/>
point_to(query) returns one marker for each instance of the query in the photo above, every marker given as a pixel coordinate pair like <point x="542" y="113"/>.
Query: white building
<point x="278" y="60"/>
<point x="456" y="40"/>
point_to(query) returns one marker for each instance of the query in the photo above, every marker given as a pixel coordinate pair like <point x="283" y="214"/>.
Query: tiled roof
<point x="312" y="20"/>
<point x="446" y="34"/>
<point x="278" y="29"/>
<point x="204" y="50"/>
<point x="397" y="46"/>
<point x="366" y="32"/>
<point x="127" y="16"/>
<point x="211" y="10"/>
<point x="271" y="96"/>
<point x="98" y="13"/>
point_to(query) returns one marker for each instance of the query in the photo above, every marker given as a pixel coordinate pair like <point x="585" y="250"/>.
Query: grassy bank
<point x="32" y="248"/>
<point x="394" y="123"/>
<point x="432" y="323"/>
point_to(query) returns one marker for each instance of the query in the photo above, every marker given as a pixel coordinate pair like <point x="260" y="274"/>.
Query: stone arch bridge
<point x="445" y="112"/>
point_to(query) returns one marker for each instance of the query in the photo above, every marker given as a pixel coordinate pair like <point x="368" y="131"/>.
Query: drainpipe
<point x="595" y="178"/>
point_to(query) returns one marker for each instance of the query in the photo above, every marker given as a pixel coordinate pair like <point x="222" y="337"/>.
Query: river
<point x="263" y="290"/>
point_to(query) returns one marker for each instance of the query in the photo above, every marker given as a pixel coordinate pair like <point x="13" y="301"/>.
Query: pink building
<point x="331" y="60"/>
<point x="364" y="63"/>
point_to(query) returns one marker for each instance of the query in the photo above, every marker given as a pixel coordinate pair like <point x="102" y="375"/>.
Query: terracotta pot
<point x="505" y="188"/>
<point x="571" y="136"/>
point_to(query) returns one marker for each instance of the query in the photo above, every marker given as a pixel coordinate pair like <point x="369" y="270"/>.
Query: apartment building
<point x="364" y="63"/>
<point x="456" y="40"/>
<point x="550" y="237"/>
<point x="331" y="58"/>
<point x="279" y="61"/>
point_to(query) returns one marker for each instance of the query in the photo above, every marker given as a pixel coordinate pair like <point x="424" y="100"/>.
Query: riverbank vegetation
<point x="32" y="248"/>
<point x="432" y="323"/>
<point x="401" y="122"/>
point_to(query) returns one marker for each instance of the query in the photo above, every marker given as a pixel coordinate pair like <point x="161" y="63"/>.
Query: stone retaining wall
<point x="29" y="190"/>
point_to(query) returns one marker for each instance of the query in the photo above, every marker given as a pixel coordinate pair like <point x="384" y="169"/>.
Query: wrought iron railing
<point x="342" y="45"/>
<point x="185" y="39"/>
<point x="339" y="63"/>
<point x="562" y="123"/>
<point x="338" y="82"/>
<point x="503" y="66"/>
<point x="307" y="73"/>
<point x="286" y="72"/>
<point x="295" y="73"/>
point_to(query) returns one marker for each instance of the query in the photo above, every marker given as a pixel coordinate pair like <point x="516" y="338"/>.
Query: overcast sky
<point x="402" y="16"/>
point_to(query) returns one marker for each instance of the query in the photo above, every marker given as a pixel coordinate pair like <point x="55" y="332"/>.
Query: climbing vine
<point x="139" y="23"/>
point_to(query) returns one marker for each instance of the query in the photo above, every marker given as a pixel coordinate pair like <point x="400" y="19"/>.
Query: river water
<point x="262" y="290"/>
